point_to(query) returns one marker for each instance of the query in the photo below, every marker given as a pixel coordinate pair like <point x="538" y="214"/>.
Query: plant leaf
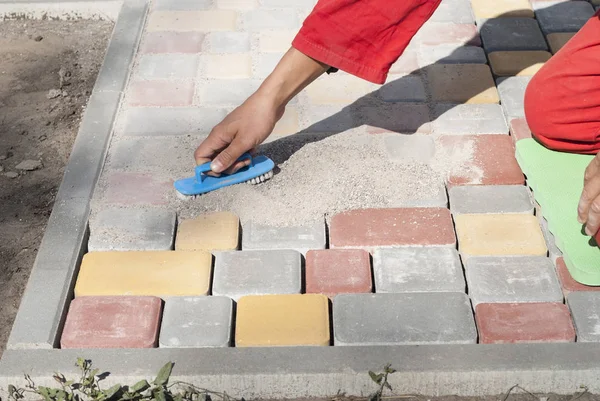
<point x="112" y="391"/>
<point x="159" y="395"/>
<point x="376" y="377"/>
<point x="140" y="386"/>
<point x="387" y="385"/>
<point x="163" y="374"/>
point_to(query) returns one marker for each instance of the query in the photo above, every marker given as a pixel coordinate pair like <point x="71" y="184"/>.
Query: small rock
<point x="29" y="165"/>
<point x="38" y="38"/>
<point x="42" y="138"/>
<point x="64" y="94"/>
<point x="11" y="174"/>
<point x="1" y="169"/>
<point x="53" y="93"/>
<point x="3" y="157"/>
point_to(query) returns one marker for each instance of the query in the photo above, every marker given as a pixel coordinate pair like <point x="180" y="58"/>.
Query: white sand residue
<point x="322" y="176"/>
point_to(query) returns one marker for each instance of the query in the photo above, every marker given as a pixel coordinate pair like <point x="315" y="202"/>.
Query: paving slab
<point x="419" y="318"/>
<point x="338" y="271"/>
<point x="558" y="40"/>
<point x="418" y="269"/>
<point x="209" y="232"/>
<point x="112" y="322"/>
<point x="468" y="119"/>
<point x="524" y="323"/>
<point x="450" y="54"/>
<point x="556" y="16"/>
<point x="240" y="273"/>
<point x="567" y="281"/>
<point x="494" y="199"/>
<point x="197" y="322"/>
<point x="504" y="9"/>
<point x="499" y="235"/>
<point x="417" y="148"/>
<point x="518" y="63"/>
<point x="500" y="34"/>
<point x="584" y="307"/>
<point x="516" y="279"/>
<point x="282" y="320"/>
<point x="299" y="238"/>
<point x="461" y="83"/>
<point x="149" y="273"/>
<point x="456" y="11"/>
<point x="512" y="95"/>
<point x="376" y="228"/>
<point x="115" y="229"/>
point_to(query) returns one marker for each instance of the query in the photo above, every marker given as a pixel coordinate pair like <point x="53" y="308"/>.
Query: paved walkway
<point x="477" y="266"/>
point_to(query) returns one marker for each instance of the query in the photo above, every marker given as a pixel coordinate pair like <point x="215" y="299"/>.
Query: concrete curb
<point x="43" y="306"/>
<point x="466" y="370"/>
<point x="63" y="10"/>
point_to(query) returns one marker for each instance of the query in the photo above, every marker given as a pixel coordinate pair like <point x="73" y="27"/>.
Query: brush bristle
<point x="261" y="178"/>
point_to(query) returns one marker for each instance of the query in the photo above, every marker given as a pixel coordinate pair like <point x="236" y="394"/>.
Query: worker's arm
<point x="589" y="205"/>
<point x="363" y="38"/>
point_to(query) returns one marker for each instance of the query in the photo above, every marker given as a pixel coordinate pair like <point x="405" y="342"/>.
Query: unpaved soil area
<point x="47" y="72"/>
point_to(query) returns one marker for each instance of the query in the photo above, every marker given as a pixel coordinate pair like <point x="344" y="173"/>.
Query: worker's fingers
<point x="591" y="190"/>
<point x="227" y="157"/>
<point x="592" y="224"/>
<point x="216" y="141"/>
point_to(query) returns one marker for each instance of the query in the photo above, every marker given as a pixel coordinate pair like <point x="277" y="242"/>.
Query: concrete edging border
<point x="279" y="372"/>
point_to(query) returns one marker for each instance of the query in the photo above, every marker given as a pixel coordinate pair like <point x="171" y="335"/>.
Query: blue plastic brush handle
<point x="205" y="168"/>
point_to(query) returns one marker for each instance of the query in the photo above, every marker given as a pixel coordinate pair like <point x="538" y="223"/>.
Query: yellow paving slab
<point x="156" y="273"/>
<point x="209" y="232"/>
<point x="499" y="234"/>
<point x="282" y="320"/>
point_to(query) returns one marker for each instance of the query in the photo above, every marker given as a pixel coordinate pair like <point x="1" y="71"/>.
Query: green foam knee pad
<point x="557" y="181"/>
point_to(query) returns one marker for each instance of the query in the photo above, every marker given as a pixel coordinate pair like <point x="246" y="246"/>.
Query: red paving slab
<point x="112" y="322"/>
<point x="136" y="188"/>
<point x="369" y="228"/>
<point x="161" y="93"/>
<point x="519" y="129"/>
<point x="449" y="33"/>
<point x="338" y="271"/>
<point x="172" y="42"/>
<point x="567" y="282"/>
<point x="524" y="323"/>
<point x="493" y="160"/>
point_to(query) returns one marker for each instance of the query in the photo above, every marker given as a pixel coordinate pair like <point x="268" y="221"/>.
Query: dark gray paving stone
<point x="511" y="34"/>
<point x="418" y="318"/>
<point x="490" y="199"/>
<point x="562" y="16"/>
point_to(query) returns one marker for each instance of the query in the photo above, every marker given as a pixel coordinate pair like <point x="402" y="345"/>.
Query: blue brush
<point x="259" y="170"/>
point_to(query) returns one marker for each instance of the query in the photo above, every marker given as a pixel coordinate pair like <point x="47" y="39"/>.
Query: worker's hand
<point x="589" y="204"/>
<point x="241" y="131"/>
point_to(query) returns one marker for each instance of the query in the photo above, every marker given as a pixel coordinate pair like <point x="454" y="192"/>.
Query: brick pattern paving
<point x="480" y="267"/>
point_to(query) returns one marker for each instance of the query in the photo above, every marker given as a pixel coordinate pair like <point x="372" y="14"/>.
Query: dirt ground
<point x="47" y="72"/>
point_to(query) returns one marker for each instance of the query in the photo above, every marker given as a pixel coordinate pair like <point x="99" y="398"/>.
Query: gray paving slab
<point x="562" y="16"/>
<point x="196" y="322"/>
<point x="228" y="42"/>
<point x="327" y="118"/>
<point x="406" y="148"/>
<point x="167" y="66"/>
<point x="512" y="279"/>
<point x="450" y="54"/>
<point x="266" y="63"/>
<point x="553" y="251"/>
<point x="468" y="119"/>
<point x="299" y="238"/>
<point x="457" y="11"/>
<point x="515" y="33"/>
<point x="267" y="19"/>
<point x="150" y="121"/>
<point x="418" y="269"/>
<point x="512" y="95"/>
<point x="118" y="229"/>
<point x="397" y="117"/>
<point x="240" y="273"/>
<point x="417" y="318"/>
<point x="231" y="92"/>
<point x="490" y="199"/>
<point x="408" y="88"/>
<point x="585" y="309"/>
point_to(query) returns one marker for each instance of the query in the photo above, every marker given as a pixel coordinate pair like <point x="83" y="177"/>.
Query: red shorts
<point x="365" y="37"/>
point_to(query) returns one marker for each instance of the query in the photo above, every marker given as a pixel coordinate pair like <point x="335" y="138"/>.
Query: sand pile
<point x="318" y="177"/>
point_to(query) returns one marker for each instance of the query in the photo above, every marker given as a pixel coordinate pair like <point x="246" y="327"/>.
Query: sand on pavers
<point x="320" y="177"/>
